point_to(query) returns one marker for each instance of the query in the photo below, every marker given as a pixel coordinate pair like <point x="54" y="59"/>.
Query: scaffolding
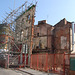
<point x="20" y="23"/>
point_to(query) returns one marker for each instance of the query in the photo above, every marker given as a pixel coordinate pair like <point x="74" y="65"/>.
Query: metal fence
<point x="10" y="60"/>
<point x="55" y="63"/>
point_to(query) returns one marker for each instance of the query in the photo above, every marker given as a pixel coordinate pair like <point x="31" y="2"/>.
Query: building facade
<point x="24" y="29"/>
<point x="42" y="37"/>
<point x="62" y="36"/>
<point x="53" y="39"/>
<point x="46" y="38"/>
<point x="4" y="37"/>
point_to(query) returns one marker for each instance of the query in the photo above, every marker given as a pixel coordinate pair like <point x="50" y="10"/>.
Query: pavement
<point x="8" y="72"/>
<point x="22" y="71"/>
<point x="34" y="72"/>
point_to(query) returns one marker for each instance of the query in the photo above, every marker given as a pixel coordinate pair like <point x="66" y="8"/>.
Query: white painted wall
<point x="71" y="41"/>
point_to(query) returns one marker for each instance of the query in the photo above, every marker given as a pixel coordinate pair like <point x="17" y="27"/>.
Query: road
<point x="11" y="72"/>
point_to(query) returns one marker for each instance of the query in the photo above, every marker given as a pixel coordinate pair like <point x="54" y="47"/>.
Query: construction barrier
<point x="9" y="60"/>
<point x="23" y="59"/>
<point x="56" y="63"/>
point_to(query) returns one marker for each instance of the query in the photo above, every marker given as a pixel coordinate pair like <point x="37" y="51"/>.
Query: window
<point x="22" y="35"/>
<point x="28" y="17"/>
<point x="4" y="32"/>
<point x="23" y="19"/>
<point x="37" y="34"/>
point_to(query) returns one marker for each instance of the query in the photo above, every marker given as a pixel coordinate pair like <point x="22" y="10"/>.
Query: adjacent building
<point x="4" y="37"/>
<point x="62" y="35"/>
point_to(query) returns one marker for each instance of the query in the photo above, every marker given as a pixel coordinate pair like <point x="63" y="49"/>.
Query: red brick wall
<point x="62" y="38"/>
<point x="45" y="33"/>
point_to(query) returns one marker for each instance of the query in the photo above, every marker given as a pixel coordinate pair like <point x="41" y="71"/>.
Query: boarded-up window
<point x="63" y="42"/>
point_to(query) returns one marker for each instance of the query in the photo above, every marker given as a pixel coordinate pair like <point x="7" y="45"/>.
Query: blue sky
<point x="51" y="10"/>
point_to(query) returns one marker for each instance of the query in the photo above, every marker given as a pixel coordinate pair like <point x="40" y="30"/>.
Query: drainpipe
<point x="72" y="36"/>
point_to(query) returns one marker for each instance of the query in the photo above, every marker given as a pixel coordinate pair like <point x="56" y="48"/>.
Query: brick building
<point x="4" y="37"/>
<point x="42" y="37"/>
<point x="24" y="28"/>
<point x="53" y="39"/>
<point x="47" y="38"/>
<point x="24" y="33"/>
<point x="62" y="36"/>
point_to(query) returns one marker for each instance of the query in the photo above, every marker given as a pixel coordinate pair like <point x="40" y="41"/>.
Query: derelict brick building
<point x="62" y="36"/>
<point x="42" y="37"/>
<point x="53" y="39"/>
